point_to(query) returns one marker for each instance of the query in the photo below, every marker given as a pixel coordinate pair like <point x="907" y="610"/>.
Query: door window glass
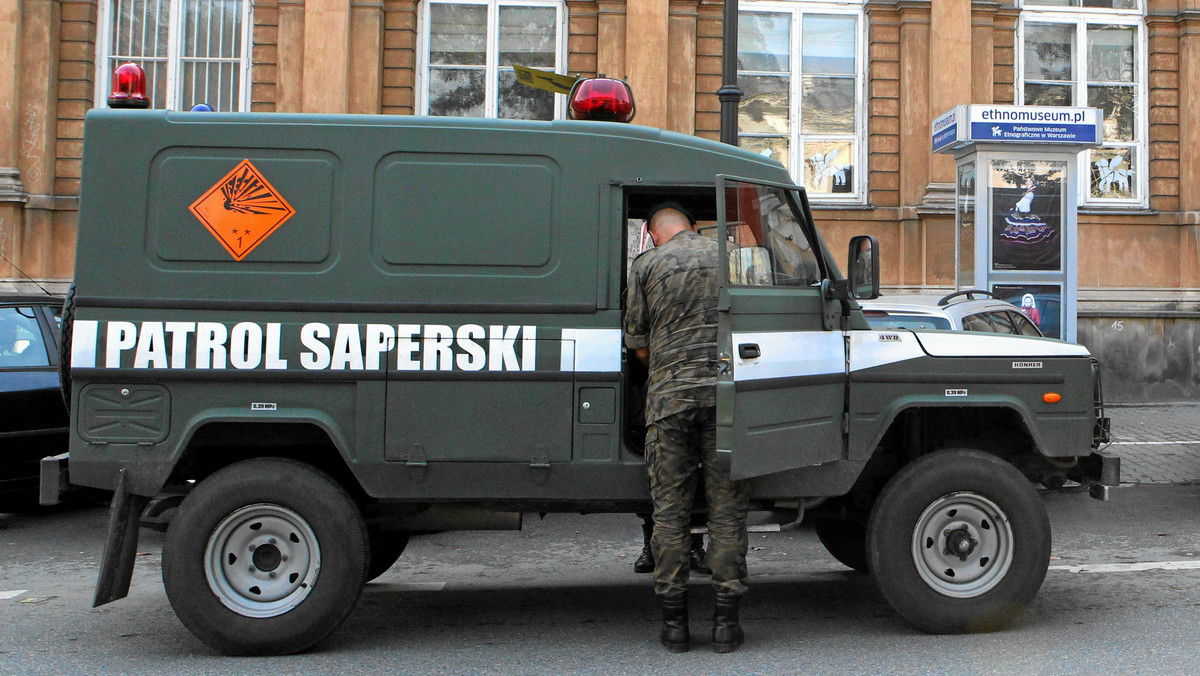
<point x="21" y="342"/>
<point x="768" y="244"/>
<point x="1024" y="326"/>
<point x="1001" y="323"/>
<point x="976" y="323"/>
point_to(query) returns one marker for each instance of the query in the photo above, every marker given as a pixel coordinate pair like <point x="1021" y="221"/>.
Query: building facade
<point x="843" y="93"/>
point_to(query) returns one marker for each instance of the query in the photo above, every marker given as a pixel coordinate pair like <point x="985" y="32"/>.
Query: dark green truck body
<point x="428" y="311"/>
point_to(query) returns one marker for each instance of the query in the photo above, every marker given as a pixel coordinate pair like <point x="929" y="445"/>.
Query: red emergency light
<point x="601" y="98"/>
<point x="128" y="87"/>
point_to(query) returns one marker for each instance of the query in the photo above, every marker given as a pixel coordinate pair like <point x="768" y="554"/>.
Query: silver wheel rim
<point x="962" y="545"/>
<point x="262" y="560"/>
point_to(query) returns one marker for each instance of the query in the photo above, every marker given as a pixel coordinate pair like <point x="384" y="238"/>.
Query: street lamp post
<point x="729" y="94"/>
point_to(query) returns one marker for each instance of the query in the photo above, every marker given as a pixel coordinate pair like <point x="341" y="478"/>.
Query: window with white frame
<point x="1093" y="53"/>
<point x="800" y="69"/>
<point x="468" y="49"/>
<point x="193" y="51"/>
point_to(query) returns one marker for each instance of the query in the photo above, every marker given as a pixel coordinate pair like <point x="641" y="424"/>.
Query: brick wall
<point x="264" y="67"/>
<point x="399" y="57"/>
<point x="710" y="27"/>
<point x="76" y="84"/>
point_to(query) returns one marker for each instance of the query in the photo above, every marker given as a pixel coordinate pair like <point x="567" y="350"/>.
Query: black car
<point x="33" y="417"/>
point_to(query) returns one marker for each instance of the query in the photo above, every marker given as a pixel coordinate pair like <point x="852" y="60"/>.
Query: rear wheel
<point x="959" y="541"/>
<point x="845" y="540"/>
<point x="265" y="557"/>
<point x="64" y="346"/>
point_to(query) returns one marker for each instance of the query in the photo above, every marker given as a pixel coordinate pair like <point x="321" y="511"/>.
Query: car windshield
<point x="882" y="321"/>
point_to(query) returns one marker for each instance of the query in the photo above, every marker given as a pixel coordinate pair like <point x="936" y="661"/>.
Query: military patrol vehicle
<point x="326" y="332"/>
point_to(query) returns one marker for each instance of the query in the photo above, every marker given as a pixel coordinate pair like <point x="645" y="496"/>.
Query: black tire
<point x="386" y="547"/>
<point x="305" y="555"/>
<point x="845" y="540"/>
<point x="972" y="503"/>
<point x="64" y="347"/>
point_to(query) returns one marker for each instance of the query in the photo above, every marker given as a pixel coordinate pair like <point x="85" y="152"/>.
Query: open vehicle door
<point x="782" y="383"/>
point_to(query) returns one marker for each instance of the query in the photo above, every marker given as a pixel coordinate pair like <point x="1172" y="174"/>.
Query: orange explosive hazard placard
<point x="242" y="210"/>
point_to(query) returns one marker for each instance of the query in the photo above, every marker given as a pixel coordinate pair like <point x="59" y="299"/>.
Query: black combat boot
<point x="645" y="562"/>
<point x="727" y="632"/>
<point x="696" y="557"/>
<point x="675" y="635"/>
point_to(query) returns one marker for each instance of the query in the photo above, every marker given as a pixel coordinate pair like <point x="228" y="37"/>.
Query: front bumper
<point x="1099" y="472"/>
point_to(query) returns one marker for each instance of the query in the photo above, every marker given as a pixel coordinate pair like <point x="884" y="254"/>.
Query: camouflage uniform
<point x="671" y="308"/>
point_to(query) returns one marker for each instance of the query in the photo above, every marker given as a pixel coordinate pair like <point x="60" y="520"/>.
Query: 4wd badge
<point x="242" y="209"/>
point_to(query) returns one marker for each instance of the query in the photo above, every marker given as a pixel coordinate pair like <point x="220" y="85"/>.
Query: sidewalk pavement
<point x="1158" y="443"/>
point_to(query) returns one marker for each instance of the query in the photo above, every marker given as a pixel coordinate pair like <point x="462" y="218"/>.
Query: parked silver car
<point x="969" y="310"/>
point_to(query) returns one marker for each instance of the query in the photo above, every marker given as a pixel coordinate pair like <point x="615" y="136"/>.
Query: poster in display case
<point x="1041" y="303"/>
<point x="1027" y="205"/>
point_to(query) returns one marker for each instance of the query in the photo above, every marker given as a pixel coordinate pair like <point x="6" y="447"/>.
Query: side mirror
<point x="863" y="267"/>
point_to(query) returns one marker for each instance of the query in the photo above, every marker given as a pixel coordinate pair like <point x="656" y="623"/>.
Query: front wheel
<point x="265" y="557"/>
<point x="959" y="541"/>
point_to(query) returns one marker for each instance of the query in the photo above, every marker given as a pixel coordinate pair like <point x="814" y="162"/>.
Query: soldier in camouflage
<point x="671" y="321"/>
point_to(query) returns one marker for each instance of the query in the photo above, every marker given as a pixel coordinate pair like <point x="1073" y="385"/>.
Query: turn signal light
<point x="1051" y="397"/>
<point x="601" y="98"/>
<point x="128" y="87"/>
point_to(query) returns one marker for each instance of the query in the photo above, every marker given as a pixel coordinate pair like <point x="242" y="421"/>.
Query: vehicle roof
<point x="928" y="305"/>
<point x="13" y="297"/>
<point x="344" y="241"/>
<point x="612" y="131"/>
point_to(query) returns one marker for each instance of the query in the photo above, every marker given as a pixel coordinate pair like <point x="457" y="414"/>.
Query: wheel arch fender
<point x="308" y="435"/>
<point x="875" y="428"/>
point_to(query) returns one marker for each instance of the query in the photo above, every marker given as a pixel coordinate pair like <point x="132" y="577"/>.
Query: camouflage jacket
<point x="671" y="308"/>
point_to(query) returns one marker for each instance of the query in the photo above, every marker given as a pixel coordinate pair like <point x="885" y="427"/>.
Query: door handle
<point x="749" y="351"/>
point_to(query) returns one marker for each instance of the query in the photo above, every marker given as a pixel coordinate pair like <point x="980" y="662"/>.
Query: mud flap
<point x="120" y="548"/>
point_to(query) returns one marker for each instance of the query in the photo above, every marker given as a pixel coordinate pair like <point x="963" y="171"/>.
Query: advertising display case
<point x="1017" y="172"/>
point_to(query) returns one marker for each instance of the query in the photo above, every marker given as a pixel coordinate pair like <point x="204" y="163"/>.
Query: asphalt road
<point x="560" y="597"/>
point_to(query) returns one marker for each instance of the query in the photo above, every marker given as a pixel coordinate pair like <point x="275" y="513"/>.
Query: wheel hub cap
<point x="262" y="560"/>
<point x="962" y="545"/>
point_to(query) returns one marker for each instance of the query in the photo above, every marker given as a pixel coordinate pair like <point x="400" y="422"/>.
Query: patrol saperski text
<point x="321" y="346"/>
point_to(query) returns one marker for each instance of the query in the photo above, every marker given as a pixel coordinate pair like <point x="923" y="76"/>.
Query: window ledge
<point x="1103" y="211"/>
<point x="838" y="206"/>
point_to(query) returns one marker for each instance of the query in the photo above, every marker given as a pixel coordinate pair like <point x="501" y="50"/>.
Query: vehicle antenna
<point x="35" y="282"/>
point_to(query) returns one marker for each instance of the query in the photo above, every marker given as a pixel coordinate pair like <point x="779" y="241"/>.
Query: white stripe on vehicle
<point x="967" y="344"/>
<point x="787" y="354"/>
<point x="592" y="350"/>
<point x="809" y="353"/>
<point x="83" y="343"/>
<point x="868" y="349"/>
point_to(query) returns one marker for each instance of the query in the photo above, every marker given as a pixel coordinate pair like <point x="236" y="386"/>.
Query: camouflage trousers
<point x="680" y="449"/>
